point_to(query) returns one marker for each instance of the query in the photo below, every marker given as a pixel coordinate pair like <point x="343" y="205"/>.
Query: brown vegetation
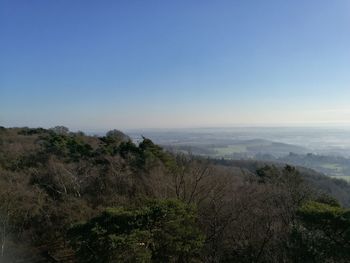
<point x="50" y="180"/>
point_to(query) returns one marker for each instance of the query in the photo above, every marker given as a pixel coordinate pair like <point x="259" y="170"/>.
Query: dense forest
<point x="68" y="197"/>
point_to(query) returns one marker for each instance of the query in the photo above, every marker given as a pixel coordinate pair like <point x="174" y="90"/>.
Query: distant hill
<point x="238" y="148"/>
<point x="266" y="150"/>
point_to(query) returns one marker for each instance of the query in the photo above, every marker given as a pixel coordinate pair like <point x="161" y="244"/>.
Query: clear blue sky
<point x="94" y="65"/>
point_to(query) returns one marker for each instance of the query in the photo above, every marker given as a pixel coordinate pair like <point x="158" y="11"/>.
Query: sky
<point x="97" y="65"/>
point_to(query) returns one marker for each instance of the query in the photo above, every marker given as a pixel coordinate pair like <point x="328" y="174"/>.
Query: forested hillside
<point x="68" y="197"/>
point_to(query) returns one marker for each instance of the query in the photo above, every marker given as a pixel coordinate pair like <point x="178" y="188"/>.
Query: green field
<point x="343" y="177"/>
<point x="230" y="149"/>
<point x="332" y="166"/>
<point x="334" y="169"/>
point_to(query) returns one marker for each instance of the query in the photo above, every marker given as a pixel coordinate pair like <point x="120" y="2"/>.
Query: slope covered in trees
<point x="68" y="197"/>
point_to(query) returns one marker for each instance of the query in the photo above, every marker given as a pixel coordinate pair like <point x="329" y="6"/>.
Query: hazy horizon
<point x="103" y="130"/>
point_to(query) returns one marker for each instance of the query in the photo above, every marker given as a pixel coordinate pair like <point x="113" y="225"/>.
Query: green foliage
<point x="271" y="174"/>
<point x="67" y="146"/>
<point x="128" y="149"/>
<point x="116" y="137"/>
<point x="329" y="218"/>
<point x="328" y="200"/>
<point x="150" y="152"/>
<point x="267" y="173"/>
<point x="161" y="231"/>
<point x="112" y="237"/>
<point x="32" y="131"/>
<point x="113" y="139"/>
<point x="323" y="233"/>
